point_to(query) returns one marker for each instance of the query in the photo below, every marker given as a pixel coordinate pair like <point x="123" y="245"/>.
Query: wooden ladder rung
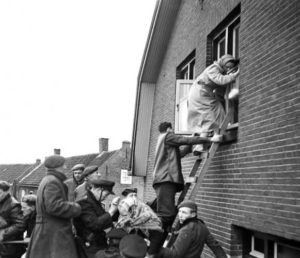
<point x="191" y="179"/>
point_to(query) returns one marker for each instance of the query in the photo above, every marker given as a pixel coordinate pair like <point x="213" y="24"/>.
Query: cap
<point x="78" y="167"/>
<point x="116" y="233"/>
<point x="54" y="161"/>
<point x="189" y="204"/>
<point x="105" y="184"/>
<point x="89" y="170"/>
<point x="133" y="246"/>
<point x="129" y="190"/>
<point x="4" y="186"/>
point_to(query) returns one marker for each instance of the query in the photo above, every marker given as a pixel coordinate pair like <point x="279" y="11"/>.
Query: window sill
<point x="231" y="134"/>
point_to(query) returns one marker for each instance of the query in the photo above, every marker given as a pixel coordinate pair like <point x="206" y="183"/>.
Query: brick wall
<point x="111" y="169"/>
<point x="255" y="182"/>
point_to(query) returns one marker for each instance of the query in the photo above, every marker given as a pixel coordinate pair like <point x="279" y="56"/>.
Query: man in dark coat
<point x="76" y="180"/>
<point x="92" y="222"/>
<point x="29" y="212"/>
<point x="168" y="178"/>
<point x="52" y="236"/>
<point x="192" y="236"/>
<point x="12" y="225"/>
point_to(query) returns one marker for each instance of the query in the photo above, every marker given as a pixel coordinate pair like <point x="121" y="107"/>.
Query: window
<point x="185" y="74"/>
<point x="224" y="39"/>
<point x="262" y="245"/>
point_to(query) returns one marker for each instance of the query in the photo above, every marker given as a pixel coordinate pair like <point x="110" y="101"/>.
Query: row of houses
<point x="250" y="196"/>
<point x="112" y="165"/>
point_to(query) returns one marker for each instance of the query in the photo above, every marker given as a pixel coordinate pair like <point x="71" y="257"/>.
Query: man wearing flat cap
<point x="133" y="246"/>
<point x="192" y="236"/>
<point x="89" y="173"/>
<point x="52" y="235"/>
<point x="76" y="180"/>
<point x="92" y="222"/>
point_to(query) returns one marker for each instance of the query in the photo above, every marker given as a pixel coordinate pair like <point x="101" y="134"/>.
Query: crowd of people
<point x="67" y="217"/>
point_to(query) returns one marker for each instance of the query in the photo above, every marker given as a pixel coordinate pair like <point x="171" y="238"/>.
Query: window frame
<point x="178" y="101"/>
<point x="227" y="30"/>
<point x="185" y="74"/>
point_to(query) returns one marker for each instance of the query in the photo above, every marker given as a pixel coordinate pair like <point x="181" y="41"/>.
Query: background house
<point x="250" y="196"/>
<point x="112" y="165"/>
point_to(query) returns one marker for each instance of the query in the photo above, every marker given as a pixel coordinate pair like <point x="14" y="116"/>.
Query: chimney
<point x="125" y="150"/>
<point x="103" y="144"/>
<point x="57" y="151"/>
<point x="125" y="145"/>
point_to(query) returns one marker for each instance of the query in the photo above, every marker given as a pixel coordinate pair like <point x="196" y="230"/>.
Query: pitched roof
<point x="36" y="175"/>
<point x="10" y="172"/>
<point x="102" y="157"/>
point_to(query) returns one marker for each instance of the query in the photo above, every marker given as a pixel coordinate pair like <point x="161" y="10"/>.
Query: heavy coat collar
<point x="62" y="177"/>
<point x="187" y="221"/>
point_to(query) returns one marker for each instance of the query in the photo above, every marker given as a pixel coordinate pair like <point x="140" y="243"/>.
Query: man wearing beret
<point x="75" y="181"/>
<point x="92" y="222"/>
<point x="52" y="235"/>
<point x="133" y="246"/>
<point x="192" y="236"/>
<point x="12" y="225"/>
<point x="89" y="173"/>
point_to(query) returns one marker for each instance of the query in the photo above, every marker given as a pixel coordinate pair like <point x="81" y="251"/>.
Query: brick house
<point x="250" y="195"/>
<point x="13" y="173"/>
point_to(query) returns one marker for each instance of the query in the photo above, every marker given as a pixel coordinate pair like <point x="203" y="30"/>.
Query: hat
<point x="116" y="233"/>
<point x="129" y="190"/>
<point x="133" y="246"/>
<point x="54" y="161"/>
<point x="78" y="167"/>
<point x="105" y="184"/>
<point x="89" y="170"/>
<point x="189" y="204"/>
<point x="4" y="186"/>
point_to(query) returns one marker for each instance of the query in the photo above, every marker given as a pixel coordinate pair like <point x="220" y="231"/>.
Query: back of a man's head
<point x="162" y="128"/>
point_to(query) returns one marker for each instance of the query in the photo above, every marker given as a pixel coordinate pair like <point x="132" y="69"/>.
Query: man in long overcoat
<point x="52" y="236"/>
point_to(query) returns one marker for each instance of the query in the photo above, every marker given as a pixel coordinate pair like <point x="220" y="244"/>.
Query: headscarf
<point x="223" y="60"/>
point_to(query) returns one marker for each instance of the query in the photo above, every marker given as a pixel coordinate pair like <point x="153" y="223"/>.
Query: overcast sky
<point x="68" y="74"/>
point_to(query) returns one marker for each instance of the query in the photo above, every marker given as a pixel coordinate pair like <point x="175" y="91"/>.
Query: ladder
<point x="195" y="178"/>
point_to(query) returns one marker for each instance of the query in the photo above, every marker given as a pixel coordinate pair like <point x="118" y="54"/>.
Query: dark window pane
<point x="259" y="245"/>
<point x="284" y="251"/>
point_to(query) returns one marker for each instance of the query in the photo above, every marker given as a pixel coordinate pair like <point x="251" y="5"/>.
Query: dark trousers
<point x="166" y="210"/>
<point x="165" y="194"/>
